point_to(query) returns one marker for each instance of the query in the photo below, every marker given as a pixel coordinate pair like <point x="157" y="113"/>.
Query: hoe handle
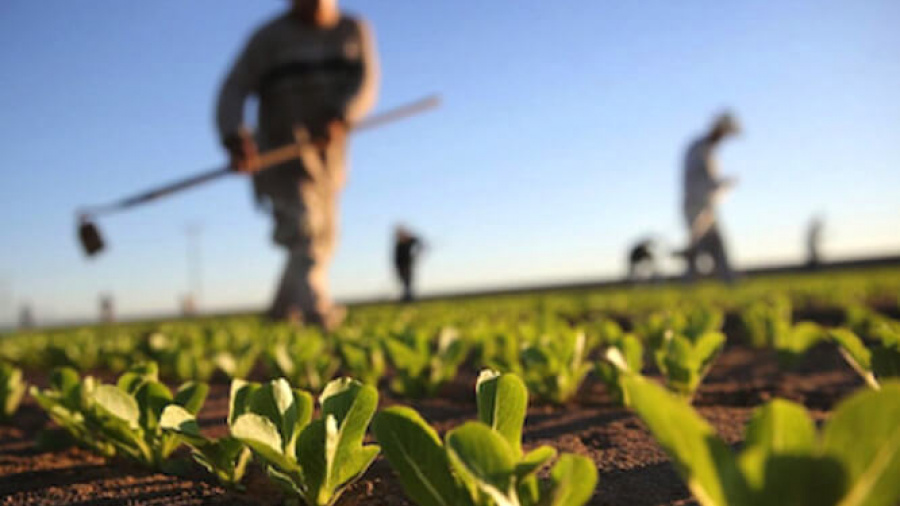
<point x="266" y="160"/>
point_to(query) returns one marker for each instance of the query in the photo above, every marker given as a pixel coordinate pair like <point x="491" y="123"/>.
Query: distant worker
<point x="26" y="317"/>
<point x="814" y="243"/>
<point x="407" y="248"/>
<point x="315" y="72"/>
<point x="703" y="187"/>
<point x="642" y="260"/>
<point x="107" y="309"/>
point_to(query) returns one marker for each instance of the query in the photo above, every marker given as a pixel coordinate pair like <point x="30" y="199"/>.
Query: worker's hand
<point x="335" y="131"/>
<point x="243" y="152"/>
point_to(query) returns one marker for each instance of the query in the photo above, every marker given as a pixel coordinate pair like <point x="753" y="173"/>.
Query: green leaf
<point x="152" y="398"/>
<point x="261" y="435"/>
<point x="864" y="435"/>
<point x="276" y="402"/>
<point x="183" y="423"/>
<point x="573" y="480"/>
<point x="534" y="460"/>
<point x="502" y="401"/>
<point x="484" y="460"/>
<point x="417" y="456"/>
<point x="348" y="407"/>
<point x="191" y="396"/>
<point x="64" y="379"/>
<point x="115" y="402"/>
<point x="239" y="398"/>
<point x="856" y="354"/>
<point x="780" y="428"/>
<point x="702" y="459"/>
<point x="137" y="375"/>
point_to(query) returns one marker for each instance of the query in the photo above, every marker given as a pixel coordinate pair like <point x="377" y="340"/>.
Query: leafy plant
<point x="120" y="419"/>
<point x="791" y="344"/>
<point x="422" y="364"/>
<point x="876" y="362"/>
<point x="12" y="387"/>
<point x="684" y="363"/>
<point x="853" y="461"/>
<point x="624" y="355"/>
<point x="313" y="460"/>
<point x="363" y="360"/>
<point x="765" y="321"/>
<point x="69" y="402"/>
<point x="306" y="359"/>
<point x="554" y="366"/>
<point x="481" y="463"/>
<point x="227" y="457"/>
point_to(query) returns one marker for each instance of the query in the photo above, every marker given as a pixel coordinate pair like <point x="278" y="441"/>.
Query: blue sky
<point x="559" y="142"/>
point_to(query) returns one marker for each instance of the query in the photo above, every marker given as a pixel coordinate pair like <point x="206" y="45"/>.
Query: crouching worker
<point x="314" y="72"/>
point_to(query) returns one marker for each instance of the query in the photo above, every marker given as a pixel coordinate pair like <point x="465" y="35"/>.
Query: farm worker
<point x="315" y="73"/>
<point x="407" y="248"/>
<point x="703" y="188"/>
<point x="813" y="242"/>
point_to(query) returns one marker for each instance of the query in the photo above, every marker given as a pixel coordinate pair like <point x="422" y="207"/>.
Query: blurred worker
<point x="703" y="187"/>
<point x="642" y="260"/>
<point x="107" y="309"/>
<point x="315" y="72"/>
<point x="26" y="317"/>
<point x="407" y="248"/>
<point x="813" y="243"/>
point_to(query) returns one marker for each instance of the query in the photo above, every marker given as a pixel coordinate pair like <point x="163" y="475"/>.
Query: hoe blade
<point x="91" y="240"/>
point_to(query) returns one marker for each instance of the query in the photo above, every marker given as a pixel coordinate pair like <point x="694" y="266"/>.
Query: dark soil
<point x="633" y="469"/>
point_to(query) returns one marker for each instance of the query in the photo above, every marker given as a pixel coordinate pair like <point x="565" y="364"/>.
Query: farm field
<point x="813" y="339"/>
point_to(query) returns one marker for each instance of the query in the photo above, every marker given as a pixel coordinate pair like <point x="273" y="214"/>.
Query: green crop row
<point x="316" y="458"/>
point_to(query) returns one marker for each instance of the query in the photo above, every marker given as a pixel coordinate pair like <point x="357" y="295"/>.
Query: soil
<point x="633" y="469"/>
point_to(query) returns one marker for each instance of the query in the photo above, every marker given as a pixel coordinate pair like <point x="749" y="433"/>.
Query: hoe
<point x="92" y="241"/>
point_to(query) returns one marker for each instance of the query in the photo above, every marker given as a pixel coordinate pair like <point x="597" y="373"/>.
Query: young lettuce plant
<point x="624" y="355"/>
<point x="555" y="366"/>
<point x="69" y="402"/>
<point x="765" y="321"/>
<point x="129" y="414"/>
<point x="853" y="461"/>
<point x="12" y="387"/>
<point x="226" y="458"/>
<point x="875" y="363"/>
<point x="481" y="463"/>
<point x="422" y="364"/>
<point x="307" y="361"/>
<point x="121" y="419"/>
<point x="363" y="360"/>
<point x="684" y="363"/>
<point x="313" y="460"/>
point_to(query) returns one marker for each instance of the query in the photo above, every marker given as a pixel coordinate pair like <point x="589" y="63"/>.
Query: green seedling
<point x="12" y="387"/>
<point x="684" y="363"/>
<point x="121" y="419"/>
<point x="226" y="458"/>
<point x="623" y="356"/>
<point x="69" y="402"/>
<point x="853" y="461"/>
<point x="422" y="364"/>
<point x="876" y="362"/>
<point x="481" y="463"/>
<point x="363" y="360"/>
<point x="766" y="321"/>
<point x="306" y="360"/>
<point x="555" y="366"/>
<point x="314" y="460"/>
